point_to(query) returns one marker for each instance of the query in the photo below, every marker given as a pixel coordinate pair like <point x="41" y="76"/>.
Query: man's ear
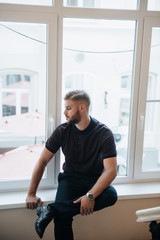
<point x="82" y="107"/>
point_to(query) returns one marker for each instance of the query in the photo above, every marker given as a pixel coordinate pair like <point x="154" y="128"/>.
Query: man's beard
<point x="75" y="119"/>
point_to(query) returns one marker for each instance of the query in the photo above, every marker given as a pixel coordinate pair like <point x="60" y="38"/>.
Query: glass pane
<point x="98" y="57"/>
<point x="154" y="5"/>
<point x="30" y="2"/>
<point x="23" y="49"/>
<point x="151" y="148"/>
<point x="108" y="4"/>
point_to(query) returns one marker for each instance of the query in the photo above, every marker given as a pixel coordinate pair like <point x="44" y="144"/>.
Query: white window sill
<point x="125" y="191"/>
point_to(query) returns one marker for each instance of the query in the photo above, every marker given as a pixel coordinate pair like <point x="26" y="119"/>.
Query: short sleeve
<point x="108" y="146"/>
<point x="54" y="141"/>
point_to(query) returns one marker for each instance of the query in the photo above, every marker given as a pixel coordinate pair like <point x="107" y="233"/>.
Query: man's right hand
<point x="32" y="202"/>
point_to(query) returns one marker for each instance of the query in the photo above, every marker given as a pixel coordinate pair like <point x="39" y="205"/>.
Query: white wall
<point x="115" y="223"/>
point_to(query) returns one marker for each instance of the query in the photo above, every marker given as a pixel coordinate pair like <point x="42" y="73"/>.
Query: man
<point x="89" y="168"/>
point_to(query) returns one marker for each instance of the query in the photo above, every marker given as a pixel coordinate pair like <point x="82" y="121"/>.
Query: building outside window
<point x="15" y="92"/>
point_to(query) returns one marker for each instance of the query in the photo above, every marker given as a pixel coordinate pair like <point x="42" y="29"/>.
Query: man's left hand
<point x="87" y="206"/>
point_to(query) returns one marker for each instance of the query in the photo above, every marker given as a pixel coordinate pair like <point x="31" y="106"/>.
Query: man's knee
<point x="111" y="195"/>
<point x="107" y="198"/>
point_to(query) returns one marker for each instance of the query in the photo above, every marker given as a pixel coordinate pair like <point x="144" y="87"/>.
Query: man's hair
<point x="78" y="95"/>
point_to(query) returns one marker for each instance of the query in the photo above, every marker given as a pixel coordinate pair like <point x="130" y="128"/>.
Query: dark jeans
<point x="70" y="188"/>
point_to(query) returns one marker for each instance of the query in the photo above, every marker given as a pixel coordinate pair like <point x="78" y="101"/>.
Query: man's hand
<point x="87" y="206"/>
<point x="32" y="202"/>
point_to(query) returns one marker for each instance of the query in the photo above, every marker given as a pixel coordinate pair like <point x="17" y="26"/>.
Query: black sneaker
<point x="45" y="217"/>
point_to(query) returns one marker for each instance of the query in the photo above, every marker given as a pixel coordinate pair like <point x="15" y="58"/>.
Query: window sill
<point x="125" y="191"/>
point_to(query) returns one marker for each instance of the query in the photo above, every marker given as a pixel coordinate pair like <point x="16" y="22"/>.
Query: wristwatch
<point x="90" y="196"/>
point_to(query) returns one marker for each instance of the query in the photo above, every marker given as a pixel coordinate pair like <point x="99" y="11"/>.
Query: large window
<point x="23" y="99"/>
<point x="149" y="148"/>
<point x="103" y="51"/>
<point x="111" y="49"/>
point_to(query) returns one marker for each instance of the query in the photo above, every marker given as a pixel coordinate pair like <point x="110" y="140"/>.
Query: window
<point x="153" y="5"/>
<point x="114" y="4"/>
<point x="149" y="163"/>
<point x="23" y="99"/>
<point x="30" y="2"/>
<point x="20" y="95"/>
<point x="105" y="49"/>
<point x="111" y="49"/>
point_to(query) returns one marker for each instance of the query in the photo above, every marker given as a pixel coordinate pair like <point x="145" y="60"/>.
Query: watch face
<point x="90" y="196"/>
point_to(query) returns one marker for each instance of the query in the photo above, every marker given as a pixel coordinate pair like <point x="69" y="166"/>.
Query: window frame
<point x="51" y="21"/>
<point x="122" y="15"/>
<point x="53" y="16"/>
<point x="144" y="76"/>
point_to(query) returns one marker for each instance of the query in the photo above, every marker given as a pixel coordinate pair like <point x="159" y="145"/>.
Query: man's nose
<point x="65" y="111"/>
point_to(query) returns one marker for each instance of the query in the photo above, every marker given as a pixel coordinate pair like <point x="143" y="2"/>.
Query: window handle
<point x="51" y="124"/>
<point x="141" y="122"/>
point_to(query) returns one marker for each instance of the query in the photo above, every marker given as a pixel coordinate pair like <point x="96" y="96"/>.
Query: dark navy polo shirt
<point x="85" y="150"/>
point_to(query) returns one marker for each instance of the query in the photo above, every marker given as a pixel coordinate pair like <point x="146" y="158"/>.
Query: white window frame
<point x="53" y="16"/>
<point x="51" y="21"/>
<point x="144" y="75"/>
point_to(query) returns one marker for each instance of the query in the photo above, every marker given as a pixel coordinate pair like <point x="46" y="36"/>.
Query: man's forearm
<point x="103" y="182"/>
<point x="106" y="178"/>
<point x="39" y="170"/>
<point x="32" y="200"/>
<point x="36" y="178"/>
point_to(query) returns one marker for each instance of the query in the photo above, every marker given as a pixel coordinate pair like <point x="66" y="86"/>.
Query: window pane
<point x="154" y="5"/>
<point x="22" y="97"/>
<point x="114" y="4"/>
<point x="98" y="57"/>
<point x="151" y="148"/>
<point x="30" y="2"/>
